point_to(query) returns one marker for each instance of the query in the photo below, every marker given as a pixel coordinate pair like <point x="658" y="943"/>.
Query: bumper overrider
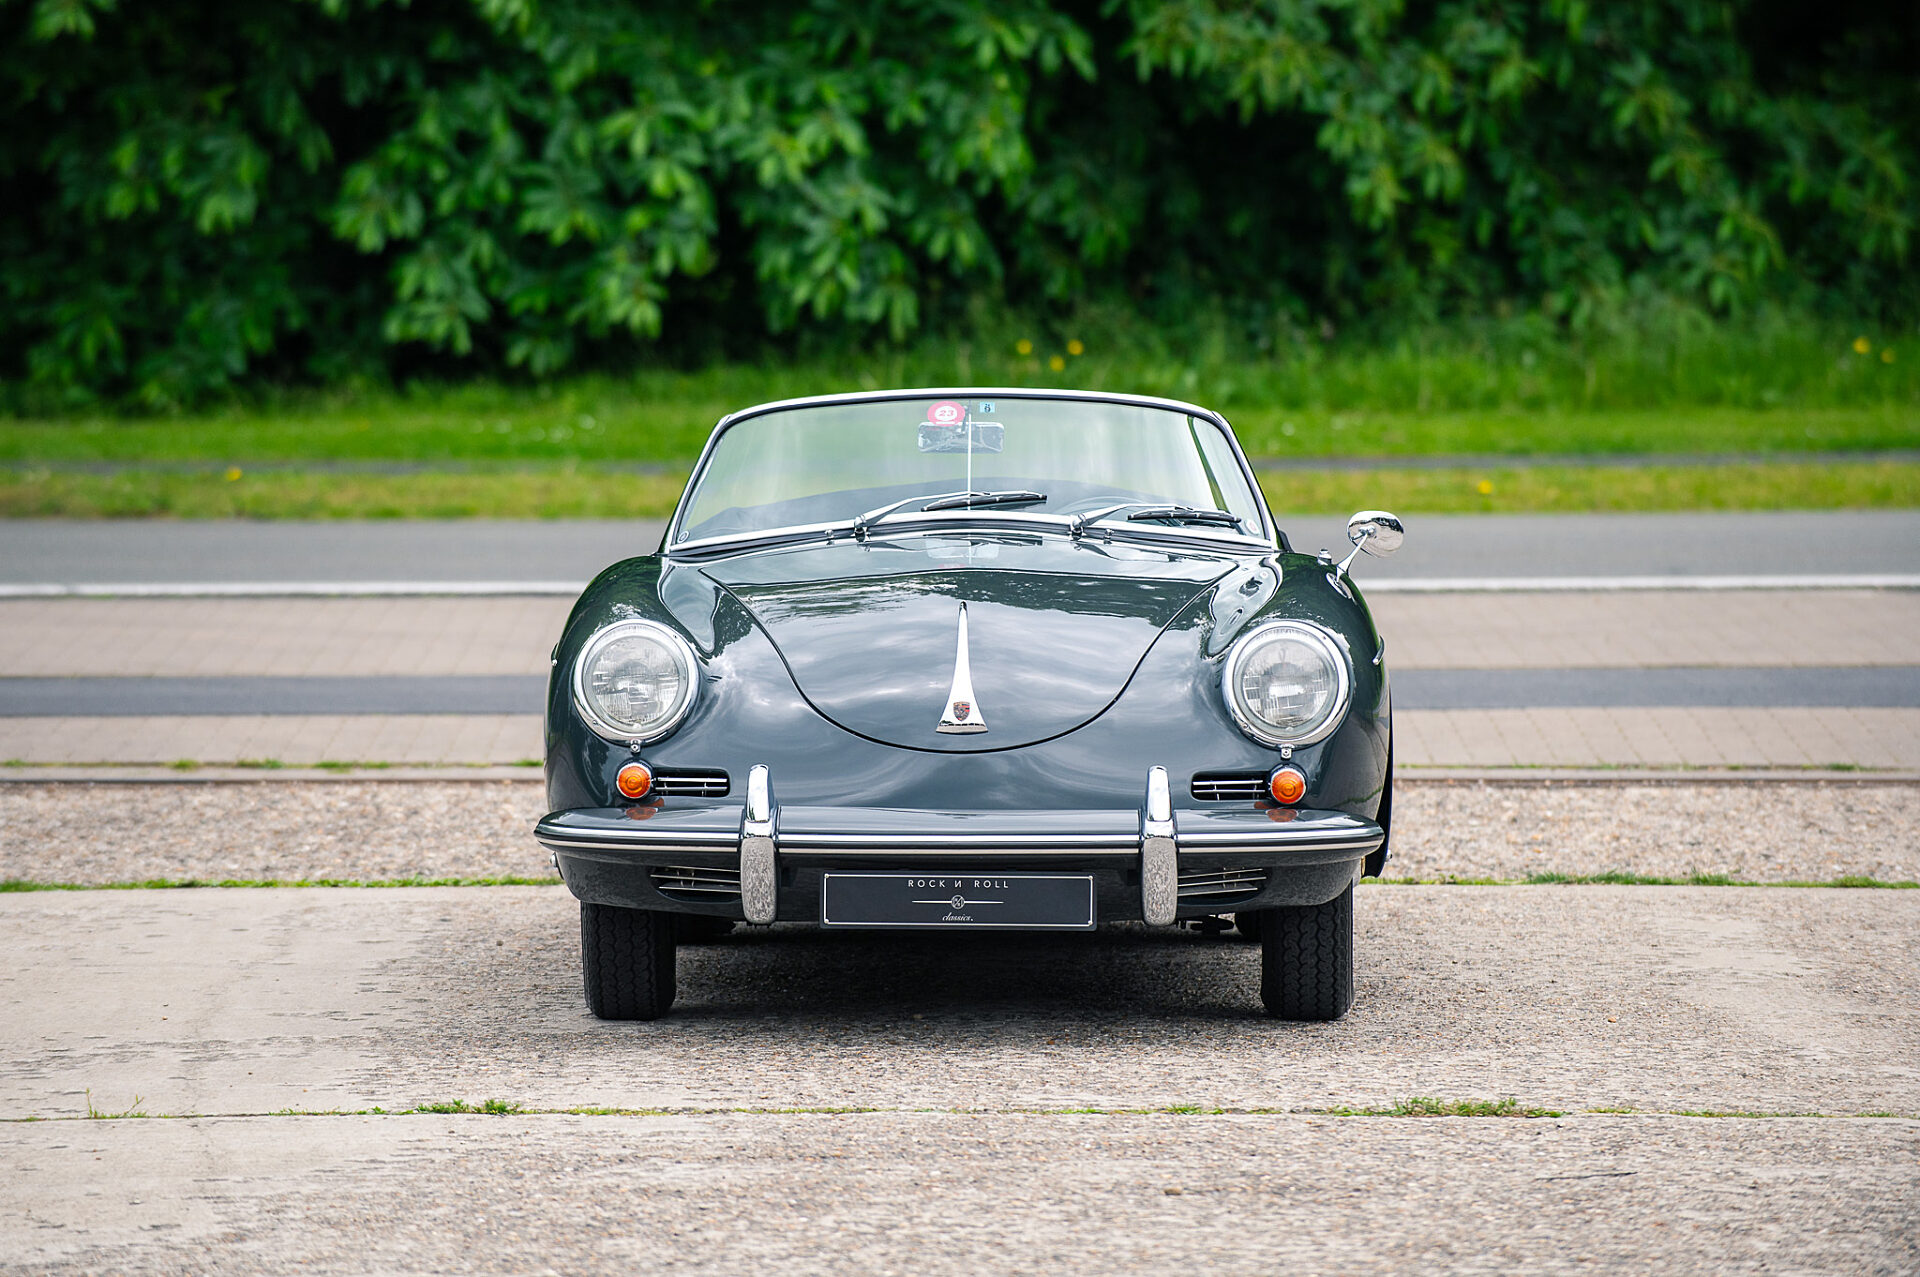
<point x="764" y="862"/>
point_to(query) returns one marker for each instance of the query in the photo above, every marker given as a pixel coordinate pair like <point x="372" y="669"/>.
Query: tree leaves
<point x="210" y="191"/>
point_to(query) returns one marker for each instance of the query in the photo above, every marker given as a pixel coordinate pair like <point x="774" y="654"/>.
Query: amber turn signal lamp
<point x="635" y="780"/>
<point x="1287" y="785"/>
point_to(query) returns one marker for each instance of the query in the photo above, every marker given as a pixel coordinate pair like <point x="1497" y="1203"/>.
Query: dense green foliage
<point x="211" y="191"/>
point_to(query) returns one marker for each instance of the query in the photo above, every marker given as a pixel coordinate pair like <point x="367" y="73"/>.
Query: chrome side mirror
<point x="1376" y="532"/>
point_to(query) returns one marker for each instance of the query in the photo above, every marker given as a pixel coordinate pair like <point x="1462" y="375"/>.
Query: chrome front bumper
<point x="761" y="836"/>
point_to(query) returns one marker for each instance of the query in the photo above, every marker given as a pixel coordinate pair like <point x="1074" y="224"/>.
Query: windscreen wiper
<point x="1147" y="512"/>
<point x="943" y="501"/>
<point x="968" y="499"/>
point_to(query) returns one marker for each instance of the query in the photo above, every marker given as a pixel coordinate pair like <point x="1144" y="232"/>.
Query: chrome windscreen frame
<point x="1268" y="537"/>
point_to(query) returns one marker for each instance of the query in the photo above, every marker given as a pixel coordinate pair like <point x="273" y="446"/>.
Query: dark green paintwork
<point x="1091" y="663"/>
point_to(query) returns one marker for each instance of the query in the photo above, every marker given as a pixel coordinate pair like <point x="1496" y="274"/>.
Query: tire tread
<point x="627" y="961"/>
<point x="1306" y="960"/>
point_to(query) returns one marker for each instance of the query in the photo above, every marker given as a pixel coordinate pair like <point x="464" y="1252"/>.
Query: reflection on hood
<point x="870" y="633"/>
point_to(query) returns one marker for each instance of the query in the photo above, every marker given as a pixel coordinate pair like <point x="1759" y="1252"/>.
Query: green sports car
<point x="959" y="660"/>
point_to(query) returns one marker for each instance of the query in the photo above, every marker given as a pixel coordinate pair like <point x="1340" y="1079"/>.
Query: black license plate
<point x="958" y="901"/>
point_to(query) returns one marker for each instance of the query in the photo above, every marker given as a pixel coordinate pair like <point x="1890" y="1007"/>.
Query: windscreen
<point x="832" y="462"/>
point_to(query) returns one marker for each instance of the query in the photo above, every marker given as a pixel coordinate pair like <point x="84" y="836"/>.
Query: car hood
<point x="870" y="631"/>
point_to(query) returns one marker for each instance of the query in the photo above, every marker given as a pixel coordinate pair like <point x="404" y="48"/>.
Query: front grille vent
<point x="708" y="886"/>
<point x="692" y="782"/>
<point x="1210" y="885"/>
<point x="1229" y="787"/>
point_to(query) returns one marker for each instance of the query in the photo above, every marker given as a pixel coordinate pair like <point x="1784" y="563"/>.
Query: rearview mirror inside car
<point x="988" y="436"/>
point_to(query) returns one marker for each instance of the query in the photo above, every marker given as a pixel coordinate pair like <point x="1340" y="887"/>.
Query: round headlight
<point x="1287" y="683"/>
<point x="634" y="680"/>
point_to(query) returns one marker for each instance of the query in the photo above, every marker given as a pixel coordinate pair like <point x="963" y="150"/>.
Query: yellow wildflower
<point x="1025" y="347"/>
<point x="1886" y="356"/>
<point x="1486" y="487"/>
<point x="1075" y="348"/>
<point x="1861" y="346"/>
<point x="1057" y="364"/>
<point x="233" y="474"/>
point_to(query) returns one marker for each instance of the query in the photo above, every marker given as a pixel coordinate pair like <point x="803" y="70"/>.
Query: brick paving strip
<point x="513" y="635"/>
<point x="1697" y="687"/>
<point x="501" y="637"/>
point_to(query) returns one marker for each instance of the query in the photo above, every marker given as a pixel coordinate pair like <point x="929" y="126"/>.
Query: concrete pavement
<point x="913" y="1193"/>
<point x="246" y="1001"/>
<point x="964" y="1064"/>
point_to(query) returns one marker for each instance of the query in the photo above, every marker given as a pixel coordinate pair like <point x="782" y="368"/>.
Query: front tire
<point x="1306" y="959"/>
<point x="627" y="961"/>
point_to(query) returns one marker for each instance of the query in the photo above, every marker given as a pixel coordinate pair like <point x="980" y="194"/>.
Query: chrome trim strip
<point x="1159" y="854"/>
<point x="798" y="842"/>
<point x="601" y="844"/>
<point x="1283" y="836"/>
<point x="759" y="867"/>
<point x="638" y="834"/>
<point x="1119" y="854"/>
<point x="1050" y="844"/>
<point x="962" y="716"/>
<point x="1301" y="848"/>
<point x="926" y="522"/>
<point x="973" y="392"/>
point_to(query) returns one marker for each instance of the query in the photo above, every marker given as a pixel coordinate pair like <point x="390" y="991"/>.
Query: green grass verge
<point x="13" y="885"/>
<point x="1417" y="1107"/>
<point x="1427" y="1106"/>
<point x="336" y="765"/>
<point x="1648" y="880"/>
<point x="1652" y="378"/>
<point x="561" y="493"/>
<point x="1560" y="489"/>
<point x="538" y="494"/>
<point x="642" y="422"/>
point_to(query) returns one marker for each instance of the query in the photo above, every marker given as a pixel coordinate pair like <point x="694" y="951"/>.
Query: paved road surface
<point x="1885" y="687"/>
<point x="1748" y="678"/>
<point x="1616" y="678"/>
<point x="970" y="1056"/>
<point x="61" y="552"/>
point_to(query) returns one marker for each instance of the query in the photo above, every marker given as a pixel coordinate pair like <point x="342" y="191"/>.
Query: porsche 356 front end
<point x="970" y="660"/>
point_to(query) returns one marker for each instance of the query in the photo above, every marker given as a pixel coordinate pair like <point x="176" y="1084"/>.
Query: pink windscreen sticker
<point x="947" y="412"/>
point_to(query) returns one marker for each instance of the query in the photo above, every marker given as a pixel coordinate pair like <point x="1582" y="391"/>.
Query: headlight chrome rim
<point x="1331" y="645"/>
<point x="583" y="664"/>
